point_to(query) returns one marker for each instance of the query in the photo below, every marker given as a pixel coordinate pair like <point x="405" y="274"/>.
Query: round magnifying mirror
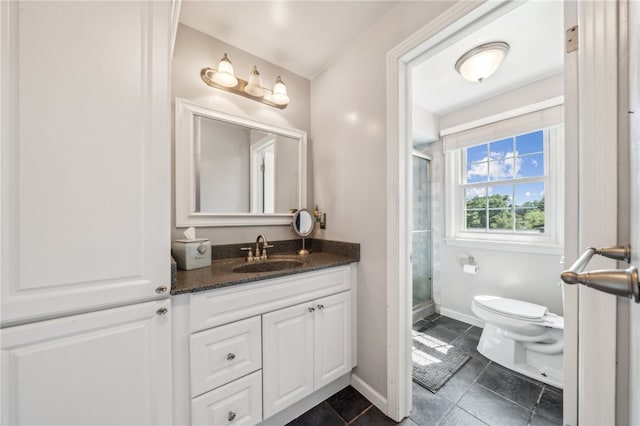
<point x="303" y="222"/>
<point x="303" y="225"/>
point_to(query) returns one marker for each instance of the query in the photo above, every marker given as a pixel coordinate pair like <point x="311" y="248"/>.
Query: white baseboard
<point x="470" y="319"/>
<point x="369" y="392"/>
<point x="423" y="311"/>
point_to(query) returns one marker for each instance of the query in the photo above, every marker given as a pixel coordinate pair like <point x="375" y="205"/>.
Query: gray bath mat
<point x="434" y="362"/>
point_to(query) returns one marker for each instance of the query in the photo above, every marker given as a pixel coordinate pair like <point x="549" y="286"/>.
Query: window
<point x="504" y="182"/>
<point x="504" y="185"/>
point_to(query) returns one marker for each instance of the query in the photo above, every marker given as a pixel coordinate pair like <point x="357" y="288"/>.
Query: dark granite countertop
<point x="323" y="254"/>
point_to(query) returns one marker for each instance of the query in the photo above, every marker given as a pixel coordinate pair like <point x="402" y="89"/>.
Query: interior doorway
<point x="460" y="21"/>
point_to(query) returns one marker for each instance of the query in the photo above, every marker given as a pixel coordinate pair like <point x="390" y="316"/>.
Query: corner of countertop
<point x="174" y="272"/>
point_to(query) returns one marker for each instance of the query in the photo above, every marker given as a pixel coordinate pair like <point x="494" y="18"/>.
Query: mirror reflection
<point x="239" y="169"/>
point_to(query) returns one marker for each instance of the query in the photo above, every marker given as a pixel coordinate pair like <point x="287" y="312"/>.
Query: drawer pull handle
<point x="162" y="312"/>
<point x="312" y="309"/>
<point x="232" y="416"/>
<point x="321" y="307"/>
<point x="231" y="356"/>
<point x="161" y="289"/>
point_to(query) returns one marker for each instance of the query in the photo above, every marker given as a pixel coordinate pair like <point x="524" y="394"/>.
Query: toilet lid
<point x="512" y="307"/>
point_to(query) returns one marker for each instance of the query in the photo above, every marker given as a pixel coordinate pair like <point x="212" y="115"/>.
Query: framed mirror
<point x="235" y="171"/>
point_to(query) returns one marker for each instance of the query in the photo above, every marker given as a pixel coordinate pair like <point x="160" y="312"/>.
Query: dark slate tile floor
<point x="480" y="393"/>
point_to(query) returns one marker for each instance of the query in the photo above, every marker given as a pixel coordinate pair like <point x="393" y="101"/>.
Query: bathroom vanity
<point x="266" y="346"/>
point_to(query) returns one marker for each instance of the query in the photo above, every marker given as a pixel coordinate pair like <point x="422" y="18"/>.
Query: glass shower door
<point x="421" y="236"/>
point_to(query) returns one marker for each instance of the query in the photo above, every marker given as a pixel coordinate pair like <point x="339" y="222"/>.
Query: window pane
<point x="501" y="149"/>
<point x="477" y="172"/>
<point x="501" y="170"/>
<point x="530" y="219"/>
<point x="476" y="219"/>
<point x="501" y="220"/>
<point x="476" y="198"/>
<point x="500" y="197"/>
<point x="530" y="143"/>
<point x="477" y="153"/>
<point x="530" y="195"/>
<point x="530" y="165"/>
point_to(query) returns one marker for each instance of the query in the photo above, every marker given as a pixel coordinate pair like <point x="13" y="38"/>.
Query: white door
<point x="110" y="367"/>
<point x="85" y="148"/>
<point x="287" y="342"/>
<point x="605" y="395"/>
<point x="332" y="338"/>
<point x="634" y="158"/>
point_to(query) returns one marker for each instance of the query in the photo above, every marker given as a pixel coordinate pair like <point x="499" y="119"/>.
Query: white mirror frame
<point x="185" y="175"/>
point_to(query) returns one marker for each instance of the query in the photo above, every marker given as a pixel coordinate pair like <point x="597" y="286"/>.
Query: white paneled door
<point x="109" y="367"/>
<point x="287" y="337"/>
<point x="85" y="150"/>
<point x="332" y="338"/>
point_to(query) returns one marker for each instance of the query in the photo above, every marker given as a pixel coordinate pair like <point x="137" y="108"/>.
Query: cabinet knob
<point x="161" y="289"/>
<point x="162" y="311"/>
<point x="232" y="416"/>
<point x="231" y="356"/>
<point x="320" y="307"/>
<point x="311" y="309"/>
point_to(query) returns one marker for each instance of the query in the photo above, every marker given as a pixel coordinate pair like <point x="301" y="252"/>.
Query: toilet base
<point x="515" y="355"/>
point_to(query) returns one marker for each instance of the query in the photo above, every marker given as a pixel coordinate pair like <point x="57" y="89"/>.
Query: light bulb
<point x="225" y="76"/>
<point x="279" y="95"/>
<point x="254" y="86"/>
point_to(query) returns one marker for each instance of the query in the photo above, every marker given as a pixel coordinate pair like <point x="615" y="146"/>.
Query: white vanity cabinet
<point x="247" y="352"/>
<point x="306" y="346"/>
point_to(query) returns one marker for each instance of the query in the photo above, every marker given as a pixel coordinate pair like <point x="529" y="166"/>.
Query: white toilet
<point x="521" y="336"/>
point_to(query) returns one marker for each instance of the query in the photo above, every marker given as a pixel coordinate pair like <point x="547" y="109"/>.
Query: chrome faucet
<point x="265" y="246"/>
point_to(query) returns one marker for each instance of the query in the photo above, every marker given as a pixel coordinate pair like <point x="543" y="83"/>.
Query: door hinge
<point x="571" y="39"/>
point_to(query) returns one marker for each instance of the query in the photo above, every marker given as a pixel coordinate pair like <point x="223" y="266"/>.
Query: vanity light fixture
<point x="224" y="78"/>
<point x="482" y="61"/>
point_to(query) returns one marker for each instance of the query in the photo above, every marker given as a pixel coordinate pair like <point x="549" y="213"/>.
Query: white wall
<point x="348" y="123"/>
<point x="195" y="50"/>
<point x="425" y="126"/>
<point x="532" y="93"/>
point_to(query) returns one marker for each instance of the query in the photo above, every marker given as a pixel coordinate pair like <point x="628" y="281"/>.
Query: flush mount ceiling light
<point x="224" y="78"/>
<point x="482" y="61"/>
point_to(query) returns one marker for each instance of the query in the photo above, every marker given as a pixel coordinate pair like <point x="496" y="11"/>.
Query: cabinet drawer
<point x="237" y="403"/>
<point x="223" y="354"/>
<point x="217" y="307"/>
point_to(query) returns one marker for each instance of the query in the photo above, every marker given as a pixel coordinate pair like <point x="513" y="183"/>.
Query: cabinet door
<point x="85" y="148"/>
<point x="110" y="367"/>
<point x="332" y="332"/>
<point x="287" y="356"/>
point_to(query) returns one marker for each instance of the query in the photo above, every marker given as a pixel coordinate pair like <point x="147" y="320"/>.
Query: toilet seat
<point x="518" y="310"/>
<point x="511" y="307"/>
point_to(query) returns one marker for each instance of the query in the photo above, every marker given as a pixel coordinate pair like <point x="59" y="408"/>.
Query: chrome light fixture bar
<point x="482" y="61"/>
<point x="224" y="78"/>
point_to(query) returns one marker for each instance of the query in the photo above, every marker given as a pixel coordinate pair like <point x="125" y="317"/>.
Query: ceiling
<point x="534" y="31"/>
<point x="306" y="36"/>
<point x="301" y="36"/>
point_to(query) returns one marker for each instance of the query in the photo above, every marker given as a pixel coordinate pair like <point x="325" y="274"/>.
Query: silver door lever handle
<point x="621" y="282"/>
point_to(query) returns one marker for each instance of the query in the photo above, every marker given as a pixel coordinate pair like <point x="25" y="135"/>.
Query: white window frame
<point x="549" y="242"/>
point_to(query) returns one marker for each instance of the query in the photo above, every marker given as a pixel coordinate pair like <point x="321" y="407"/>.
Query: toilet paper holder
<point x="469" y="265"/>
